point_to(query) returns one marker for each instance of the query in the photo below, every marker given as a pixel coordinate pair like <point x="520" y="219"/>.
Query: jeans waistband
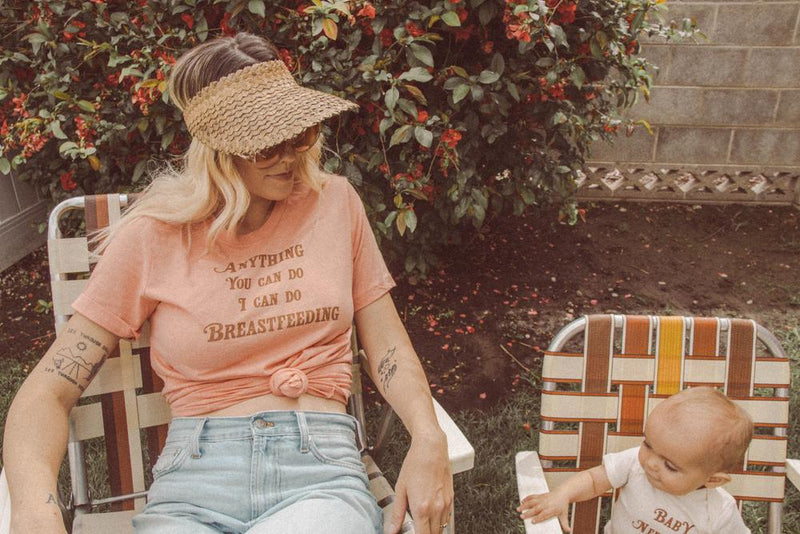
<point x="270" y="423"/>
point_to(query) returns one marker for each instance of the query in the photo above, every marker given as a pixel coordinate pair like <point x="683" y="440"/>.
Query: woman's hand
<point x="424" y="486"/>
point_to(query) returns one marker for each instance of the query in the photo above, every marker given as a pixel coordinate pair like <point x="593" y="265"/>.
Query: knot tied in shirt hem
<point x="289" y="382"/>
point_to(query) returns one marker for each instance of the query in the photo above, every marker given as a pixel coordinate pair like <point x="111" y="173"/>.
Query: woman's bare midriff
<point x="269" y="402"/>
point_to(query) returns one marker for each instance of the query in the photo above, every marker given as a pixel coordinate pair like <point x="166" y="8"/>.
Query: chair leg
<point x="775" y="525"/>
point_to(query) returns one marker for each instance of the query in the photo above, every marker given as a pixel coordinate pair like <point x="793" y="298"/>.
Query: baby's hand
<point x="540" y="507"/>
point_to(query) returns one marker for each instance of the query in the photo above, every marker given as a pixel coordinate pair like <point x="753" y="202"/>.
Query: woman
<point x="251" y="265"/>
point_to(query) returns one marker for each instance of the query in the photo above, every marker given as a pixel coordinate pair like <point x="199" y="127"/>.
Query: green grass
<point x="486" y="496"/>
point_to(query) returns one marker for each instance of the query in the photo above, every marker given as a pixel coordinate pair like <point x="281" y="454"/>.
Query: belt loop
<point x="194" y="444"/>
<point x="361" y="439"/>
<point x="303" y="426"/>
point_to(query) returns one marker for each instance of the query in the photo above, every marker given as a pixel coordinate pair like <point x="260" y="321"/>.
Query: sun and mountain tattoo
<point x="70" y="364"/>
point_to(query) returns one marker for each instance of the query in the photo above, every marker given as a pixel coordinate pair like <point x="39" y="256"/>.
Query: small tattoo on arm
<point x="70" y="362"/>
<point x="387" y="368"/>
<point x="51" y="499"/>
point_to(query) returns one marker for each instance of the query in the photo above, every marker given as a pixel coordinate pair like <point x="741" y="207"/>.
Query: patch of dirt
<point x="490" y="309"/>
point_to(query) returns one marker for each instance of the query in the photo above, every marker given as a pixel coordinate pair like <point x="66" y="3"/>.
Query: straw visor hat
<point x="257" y="107"/>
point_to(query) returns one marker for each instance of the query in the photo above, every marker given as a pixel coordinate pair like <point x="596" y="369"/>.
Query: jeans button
<point x="262" y="423"/>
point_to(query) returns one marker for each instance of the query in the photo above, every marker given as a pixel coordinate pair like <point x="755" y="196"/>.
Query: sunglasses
<point x="300" y="143"/>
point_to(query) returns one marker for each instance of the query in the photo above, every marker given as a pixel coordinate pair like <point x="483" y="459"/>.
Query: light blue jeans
<point x="276" y="472"/>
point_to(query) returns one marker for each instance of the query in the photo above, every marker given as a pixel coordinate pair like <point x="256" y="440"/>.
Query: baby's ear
<point x="717" y="479"/>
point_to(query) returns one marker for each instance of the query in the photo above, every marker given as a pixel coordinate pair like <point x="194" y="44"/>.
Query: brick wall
<point x="730" y="102"/>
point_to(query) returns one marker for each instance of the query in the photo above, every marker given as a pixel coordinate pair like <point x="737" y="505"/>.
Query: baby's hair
<point x="729" y="427"/>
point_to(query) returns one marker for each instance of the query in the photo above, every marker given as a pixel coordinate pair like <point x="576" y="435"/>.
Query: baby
<point x="671" y="483"/>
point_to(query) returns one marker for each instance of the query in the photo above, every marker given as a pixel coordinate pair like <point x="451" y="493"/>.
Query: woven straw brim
<point x="257" y="107"/>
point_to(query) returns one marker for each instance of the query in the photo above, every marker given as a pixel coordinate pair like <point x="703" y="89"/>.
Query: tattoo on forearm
<point x="387" y="368"/>
<point x="51" y="499"/>
<point x="70" y="363"/>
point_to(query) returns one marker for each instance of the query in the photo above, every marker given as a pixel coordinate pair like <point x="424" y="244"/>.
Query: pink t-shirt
<point x="268" y="312"/>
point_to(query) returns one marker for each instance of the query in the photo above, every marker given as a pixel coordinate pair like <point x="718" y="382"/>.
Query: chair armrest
<point x="460" y="451"/>
<point x="5" y="505"/>
<point x="530" y="479"/>
<point x="793" y="471"/>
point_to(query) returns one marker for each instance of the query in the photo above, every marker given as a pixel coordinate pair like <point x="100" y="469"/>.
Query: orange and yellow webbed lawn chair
<point x="603" y="374"/>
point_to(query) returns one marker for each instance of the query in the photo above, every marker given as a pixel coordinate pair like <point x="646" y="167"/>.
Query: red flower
<point x="367" y="11"/>
<point x="414" y="30"/>
<point x="287" y="58"/>
<point x="223" y="24"/>
<point x="67" y="182"/>
<point x="422" y="116"/>
<point x="451" y="138"/>
<point x="188" y="19"/>
<point x="462" y="14"/>
<point x="567" y="13"/>
<point x="488" y="46"/>
<point x="386" y="37"/>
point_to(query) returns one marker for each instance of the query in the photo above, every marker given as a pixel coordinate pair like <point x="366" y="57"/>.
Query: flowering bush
<point x="468" y="107"/>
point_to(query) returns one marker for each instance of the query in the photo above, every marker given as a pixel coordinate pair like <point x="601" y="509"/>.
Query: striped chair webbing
<point x="100" y="211"/>
<point x="637" y="332"/>
<point x="658" y="356"/>
<point x="384" y="493"/>
<point x="598" y="350"/>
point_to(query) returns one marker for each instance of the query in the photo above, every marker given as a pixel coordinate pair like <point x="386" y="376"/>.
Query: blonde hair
<point x="728" y="427"/>
<point x="205" y="184"/>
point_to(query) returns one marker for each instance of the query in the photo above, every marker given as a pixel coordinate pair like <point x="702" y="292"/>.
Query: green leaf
<point x="411" y="220"/>
<point x="130" y="71"/>
<point x="201" y="29"/>
<point x="498" y="64"/>
<point x="66" y="147"/>
<point x="115" y="59"/>
<point x="424" y="136"/>
<point x="400" y="222"/>
<point x="86" y="106"/>
<point x="257" y="7"/>
<point x="460" y="71"/>
<point x="452" y="83"/>
<point x="488" y="77"/>
<point x="578" y="76"/>
<point x="330" y="28"/>
<point x="5" y="166"/>
<point x="602" y="39"/>
<point x="417" y="74"/>
<point x="557" y="33"/>
<point x="460" y="92"/>
<point x="61" y="95"/>
<point x="417" y="94"/>
<point x="422" y="53"/>
<point x="559" y="118"/>
<point x="401" y="135"/>
<point x="451" y="18"/>
<point x="545" y="62"/>
<point x="58" y="133"/>
<point x="391" y="98"/>
<point x="513" y="91"/>
<point x="138" y="171"/>
<point x="36" y="38"/>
